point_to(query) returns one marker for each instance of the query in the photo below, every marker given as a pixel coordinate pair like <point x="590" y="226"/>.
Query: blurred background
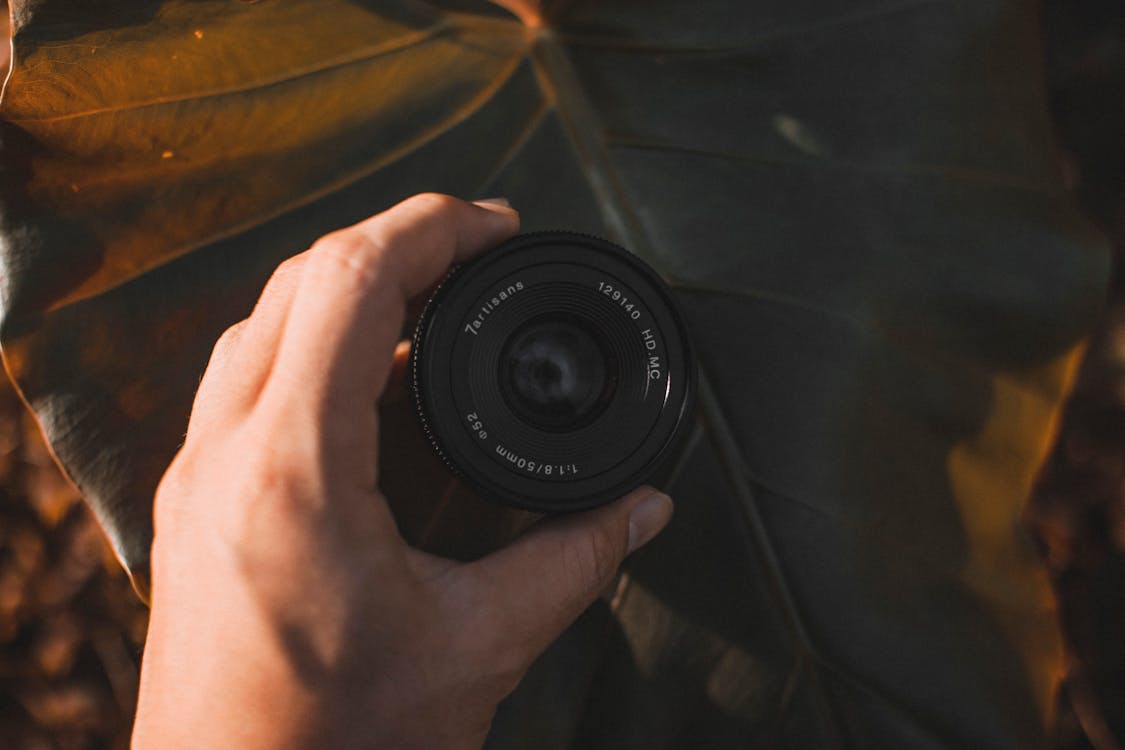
<point x="1077" y="512"/>
<point x="72" y="629"/>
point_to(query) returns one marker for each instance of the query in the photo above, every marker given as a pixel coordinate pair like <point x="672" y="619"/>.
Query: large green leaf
<point x="856" y="202"/>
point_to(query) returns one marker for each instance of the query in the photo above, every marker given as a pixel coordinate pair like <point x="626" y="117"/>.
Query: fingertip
<point x="397" y="385"/>
<point x="507" y="218"/>
<point x="497" y="201"/>
<point x="649" y="514"/>
<point x="402" y="352"/>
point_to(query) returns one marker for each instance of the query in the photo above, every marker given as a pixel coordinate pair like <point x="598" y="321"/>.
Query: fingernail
<point x="501" y="201"/>
<point x="648" y="518"/>
<point x="509" y="222"/>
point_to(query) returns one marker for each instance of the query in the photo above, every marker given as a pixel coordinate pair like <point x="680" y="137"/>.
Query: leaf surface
<point x="857" y="205"/>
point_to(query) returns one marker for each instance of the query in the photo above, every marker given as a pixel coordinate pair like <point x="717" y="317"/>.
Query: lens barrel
<point x="553" y="373"/>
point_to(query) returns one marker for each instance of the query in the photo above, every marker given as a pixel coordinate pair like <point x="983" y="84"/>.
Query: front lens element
<point x="555" y="376"/>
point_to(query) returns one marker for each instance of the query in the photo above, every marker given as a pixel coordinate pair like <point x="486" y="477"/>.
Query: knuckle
<point x="229" y="337"/>
<point x="219" y="369"/>
<point x="269" y="481"/>
<point x="270" y="488"/>
<point x="361" y="255"/>
<point x="290" y="265"/>
<point x="286" y="271"/>
<point x="287" y="443"/>
<point x="280" y="286"/>
<point x="432" y="202"/>
<point x="343" y="245"/>
<point x="225" y="347"/>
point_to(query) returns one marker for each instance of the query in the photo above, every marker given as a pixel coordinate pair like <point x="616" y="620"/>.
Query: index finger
<point x="348" y="311"/>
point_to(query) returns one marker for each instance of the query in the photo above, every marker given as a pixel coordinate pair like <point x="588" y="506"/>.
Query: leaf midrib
<point x="586" y="133"/>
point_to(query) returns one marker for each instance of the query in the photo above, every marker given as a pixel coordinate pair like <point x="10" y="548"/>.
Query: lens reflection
<point x="555" y="376"/>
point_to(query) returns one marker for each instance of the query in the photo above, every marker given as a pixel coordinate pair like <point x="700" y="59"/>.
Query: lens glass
<point x="555" y="375"/>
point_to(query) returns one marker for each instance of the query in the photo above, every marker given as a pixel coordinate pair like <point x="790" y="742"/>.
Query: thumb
<point x="539" y="584"/>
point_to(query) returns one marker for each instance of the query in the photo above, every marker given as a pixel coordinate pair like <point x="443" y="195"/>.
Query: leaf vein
<point x="961" y="174"/>
<point x="355" y="57"/>
<point x="421" y="139"/>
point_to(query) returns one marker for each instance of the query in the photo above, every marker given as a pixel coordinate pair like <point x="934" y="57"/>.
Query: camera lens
<point x="553" y="373"/>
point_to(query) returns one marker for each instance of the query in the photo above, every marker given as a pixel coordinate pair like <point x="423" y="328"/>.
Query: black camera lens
<point x="553" y="373"/>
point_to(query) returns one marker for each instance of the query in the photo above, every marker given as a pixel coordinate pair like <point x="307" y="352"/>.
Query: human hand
<point x="287" y="611"/>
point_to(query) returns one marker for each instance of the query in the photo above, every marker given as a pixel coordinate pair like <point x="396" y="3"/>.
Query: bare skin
<point x="287" y="610"/>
